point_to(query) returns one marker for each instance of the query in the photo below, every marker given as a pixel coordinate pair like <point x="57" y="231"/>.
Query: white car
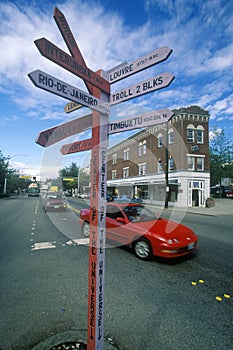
<point x="83" y="195"/>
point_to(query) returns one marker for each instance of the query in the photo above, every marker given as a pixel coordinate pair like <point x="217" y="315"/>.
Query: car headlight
<point x="173" y="241"/>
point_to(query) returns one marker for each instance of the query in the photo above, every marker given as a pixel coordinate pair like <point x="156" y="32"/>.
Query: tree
<point x="9" y="176"/>
<point x="4" y="164"/>
<point x="75" y="172"/>
<point x="221" y="157"/>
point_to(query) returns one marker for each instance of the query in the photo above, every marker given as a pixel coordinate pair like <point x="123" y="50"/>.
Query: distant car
<point x="54" y="201"/>
<point x="217" y="191"/>
<point x="136" y="200"/>
<point x="229" y="193"/>
<point x="136" y="226"/>
<point x="83" y="195"/>
<point x="68" y="193"/>
<point x="122" y="199"/>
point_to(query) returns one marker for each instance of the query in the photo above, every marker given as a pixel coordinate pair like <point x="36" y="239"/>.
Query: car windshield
<point x="54" y="196"/>
<point x="138" y="213"/>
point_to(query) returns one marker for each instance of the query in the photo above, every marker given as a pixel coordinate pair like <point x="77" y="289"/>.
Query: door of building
<point x="195" y="193"/>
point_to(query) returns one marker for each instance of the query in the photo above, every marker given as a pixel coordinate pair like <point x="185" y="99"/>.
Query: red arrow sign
<point x="57" y="133"/>
<point x="74" y="147"/>
<point x="60" y="57"/>
<point x="70" y="41"/>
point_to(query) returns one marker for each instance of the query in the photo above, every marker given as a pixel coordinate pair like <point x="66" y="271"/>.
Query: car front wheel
<point x="142" y="249"/>
<point x="86" y="229"/>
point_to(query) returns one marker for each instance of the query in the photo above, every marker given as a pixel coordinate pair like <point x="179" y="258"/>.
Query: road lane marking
<point x="74" y="209"/>
<point x="79" y="241"/>
<point x="43" y="245"/>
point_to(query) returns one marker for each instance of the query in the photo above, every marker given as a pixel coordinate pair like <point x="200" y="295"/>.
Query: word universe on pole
<point x="98" y="102"/>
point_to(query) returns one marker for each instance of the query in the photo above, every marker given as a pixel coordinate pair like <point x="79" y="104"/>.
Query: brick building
<point x="137" y="166"/>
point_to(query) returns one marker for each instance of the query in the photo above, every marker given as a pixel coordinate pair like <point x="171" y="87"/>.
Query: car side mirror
<point x="121" y="220"/>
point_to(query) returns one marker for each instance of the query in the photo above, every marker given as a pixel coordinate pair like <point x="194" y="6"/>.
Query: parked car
<point x="215" y="191"/>
<point x="68" y="193"/>
<point x="229" y="193"/>
<point x="122" y="199"/>
<point x="83" y="195"/>
<point x="54" y="201"/>
<point x="136" y="200"/>
<point x="137" y="226"/>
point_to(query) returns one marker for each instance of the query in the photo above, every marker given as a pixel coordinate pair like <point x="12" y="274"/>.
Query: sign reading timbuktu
<point x="140" y="121"/>
<point x="99" y="100"/>
<point x="127" y="124"/>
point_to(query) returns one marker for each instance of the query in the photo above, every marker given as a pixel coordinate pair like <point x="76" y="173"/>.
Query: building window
<point x="191" y="163"/>
<point x="171" y="164"/>
<point x="160" y="166"/>
<point x="126" y="154"/>
<point x="126" y="172"/>
<point x="160" y="140"/>
<point x="190" y="133"/>
<point x="200" y="134"/>
<point x="114" y="173"/>
<point x="142" y="148"/>
<point x="114" y="159"/>
<point x="170" y="136"/>
<point x="142" y="169"/>
<point x="200" y="163"/>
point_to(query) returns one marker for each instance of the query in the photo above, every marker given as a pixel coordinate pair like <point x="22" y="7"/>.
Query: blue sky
<point x="108" y="33"/>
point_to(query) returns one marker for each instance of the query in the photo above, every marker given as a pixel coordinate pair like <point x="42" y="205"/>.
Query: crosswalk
<point x="54" y="244"/>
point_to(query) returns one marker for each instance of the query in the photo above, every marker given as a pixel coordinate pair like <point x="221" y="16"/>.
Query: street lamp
<point x="5" y="180"/>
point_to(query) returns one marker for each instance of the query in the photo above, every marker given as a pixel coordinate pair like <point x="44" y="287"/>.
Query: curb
<point x="69" y="336"/>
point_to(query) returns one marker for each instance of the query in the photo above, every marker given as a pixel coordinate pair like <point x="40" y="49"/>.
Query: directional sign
<point x="60" y="57"/>
<point x="140" y="121"/>
<point x="72" y="106"/>
<point x="67" y="35"/>
<point x="70" y="42"/>
<point x="58" y="87"/>
<point x="137" y="122"/>
<point x="57" y="133"/>
<point x="152" y="58"/>
<point x="74" y="147"/>
<point x="142" y="88"/>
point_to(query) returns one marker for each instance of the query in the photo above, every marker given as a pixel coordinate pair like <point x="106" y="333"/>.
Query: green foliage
<point x="73" y="171"/>
<point x="10" y="175"/>
<point x="221" y="157"/>
<point x="3" y="169"/>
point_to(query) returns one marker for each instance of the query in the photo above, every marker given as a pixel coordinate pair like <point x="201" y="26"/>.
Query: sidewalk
<point x="223" y="206"/>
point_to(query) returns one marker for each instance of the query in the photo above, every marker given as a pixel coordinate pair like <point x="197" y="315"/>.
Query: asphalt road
<point x="148" y="305"/>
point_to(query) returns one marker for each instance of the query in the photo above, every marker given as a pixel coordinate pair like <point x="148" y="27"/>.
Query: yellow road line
<point x="74" y="209"/>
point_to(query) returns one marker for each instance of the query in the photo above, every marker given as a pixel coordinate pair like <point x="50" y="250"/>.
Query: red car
<point x="54" y="201"/>
<point x="136" y="226"/>
<point x="229" y="193"/>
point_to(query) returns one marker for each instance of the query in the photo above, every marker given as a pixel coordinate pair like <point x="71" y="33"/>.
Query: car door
<point x="118" y="227"/>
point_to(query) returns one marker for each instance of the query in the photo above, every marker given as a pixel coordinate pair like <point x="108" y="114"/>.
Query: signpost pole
<point x="166" y="168"/>
<point x="99" y="101"/>
<point x="96" y="269"/>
